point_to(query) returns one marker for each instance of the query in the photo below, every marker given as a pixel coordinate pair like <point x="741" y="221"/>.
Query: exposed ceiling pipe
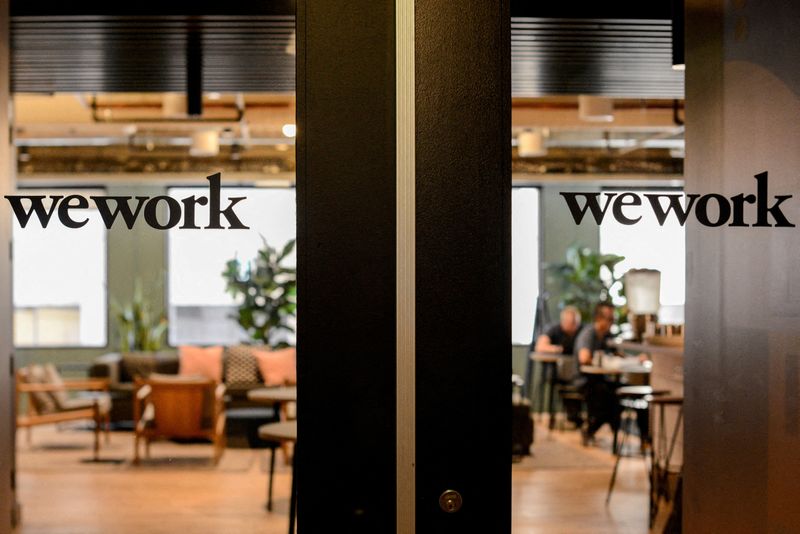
<point x="56" y="142"/>
<point x="675" y="117"/>
<point x="647" y="141"/>
<point x="107" y="116"/>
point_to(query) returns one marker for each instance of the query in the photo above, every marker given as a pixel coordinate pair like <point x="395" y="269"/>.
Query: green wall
<point x="559" y="231"/>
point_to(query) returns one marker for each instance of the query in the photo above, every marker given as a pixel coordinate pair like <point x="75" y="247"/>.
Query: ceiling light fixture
<point x="678" y="56"/>
<point x="205" y="144"/>
<point x="291" y="45"/>
<point x="530" y="144"/>
<point x="595" y="108"/>
<point x="289" y="130"/>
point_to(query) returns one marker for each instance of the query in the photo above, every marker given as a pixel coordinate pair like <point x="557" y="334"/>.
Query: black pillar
<point x="463" y="304"/>
<point x="347" y="238"/>
<point x="346" y="265"/>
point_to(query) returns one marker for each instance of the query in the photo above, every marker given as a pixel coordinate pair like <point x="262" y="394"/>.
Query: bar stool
<point x="547" y="381"/>
<point x="572" y="400"/>
<point x="632" y="399"/>
<point x="661" y="453"/>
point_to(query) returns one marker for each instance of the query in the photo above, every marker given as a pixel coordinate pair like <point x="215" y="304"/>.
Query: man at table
<point x="560" y="339"/>
<point x="601" y="400"/>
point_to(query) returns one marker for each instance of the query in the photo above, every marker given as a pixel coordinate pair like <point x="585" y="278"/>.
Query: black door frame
<point x="353" y="247"/>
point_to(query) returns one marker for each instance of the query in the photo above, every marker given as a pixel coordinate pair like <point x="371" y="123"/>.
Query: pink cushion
<point x="278" y="367"/>
<point x="201" y="361"/>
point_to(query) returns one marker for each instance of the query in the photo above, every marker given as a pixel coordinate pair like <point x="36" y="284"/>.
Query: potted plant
<point x="141" y="334"/>
<point x="140" y="330"/>
<point x="267" y="294"/>
<point x="586" y="278"/>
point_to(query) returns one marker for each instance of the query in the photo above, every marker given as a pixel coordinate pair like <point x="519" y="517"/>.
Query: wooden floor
<point x="561" y="489"/>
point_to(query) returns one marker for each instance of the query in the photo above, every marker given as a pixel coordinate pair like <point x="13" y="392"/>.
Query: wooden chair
<point x="167" y="406"/>
<point x="49" y="402"/>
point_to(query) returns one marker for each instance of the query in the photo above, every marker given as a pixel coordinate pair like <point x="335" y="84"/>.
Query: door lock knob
<point x="450" y="501"/>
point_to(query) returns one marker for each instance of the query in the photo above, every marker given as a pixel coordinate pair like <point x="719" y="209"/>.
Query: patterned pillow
<point x="241" y="367"/>
<point x="42" y="400"/>
<point x="52" y="376"/>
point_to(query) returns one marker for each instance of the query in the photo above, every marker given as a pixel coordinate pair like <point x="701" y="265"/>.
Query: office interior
<point x="155" y="383"/>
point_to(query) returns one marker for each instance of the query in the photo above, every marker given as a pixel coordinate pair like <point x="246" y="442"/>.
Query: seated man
<point x="560" y="339"/>
<point x="601" y="400"/>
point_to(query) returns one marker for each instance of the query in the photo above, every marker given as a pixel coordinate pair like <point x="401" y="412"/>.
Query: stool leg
<point x="674" y="438"/>
<point x="551" y="400"/>
<point x="293" y="497"/>
<point x="269" y="480"/>
<point x="526" y="389"/>
<point x="540" y="389"/>
<point x="616" y="466"/>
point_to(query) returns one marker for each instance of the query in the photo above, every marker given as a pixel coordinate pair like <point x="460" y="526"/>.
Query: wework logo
<point x="129" y="208"/>
<point x="709" y="210"/>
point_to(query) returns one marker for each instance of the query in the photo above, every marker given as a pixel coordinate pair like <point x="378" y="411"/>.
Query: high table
<point x="549" y="363"/>
<point x="278" y="397"/>
<point x="615" y="373"/>
<point x="283" y="432"/>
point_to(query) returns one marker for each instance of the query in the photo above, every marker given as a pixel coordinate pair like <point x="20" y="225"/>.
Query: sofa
<point x="241" y="368"/>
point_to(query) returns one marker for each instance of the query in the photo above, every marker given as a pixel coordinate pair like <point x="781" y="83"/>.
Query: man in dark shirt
<point x="560" y="338"/>
<point x="601" y="400"/>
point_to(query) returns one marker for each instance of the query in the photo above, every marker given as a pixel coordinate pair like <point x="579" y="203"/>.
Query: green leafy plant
<point x="268" y="293"/>
<point x="139" y="328"/>
<point x="585" y="278"/>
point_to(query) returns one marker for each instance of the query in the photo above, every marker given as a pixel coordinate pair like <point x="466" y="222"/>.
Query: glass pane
<point x="200" y="310"/>
<point x="524" y="262"/>
<point x="646" y="245"/>
<point x="60" y="282"/>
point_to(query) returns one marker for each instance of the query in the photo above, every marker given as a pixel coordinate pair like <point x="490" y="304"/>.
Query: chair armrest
<point x="143" y="392"/>
<point x="71" y="385"/>
<point x="219" y="405"/>
<point x="89" y="384"/>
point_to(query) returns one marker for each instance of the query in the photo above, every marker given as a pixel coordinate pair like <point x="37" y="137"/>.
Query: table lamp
<point x="642" y="291"/>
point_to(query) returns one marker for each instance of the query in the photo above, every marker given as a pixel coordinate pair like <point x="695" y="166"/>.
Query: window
<point x="646" y="245"/>
<point x="60" y="281"/>
<point x="199" y="308"/>
<point x="524" y="262"/>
